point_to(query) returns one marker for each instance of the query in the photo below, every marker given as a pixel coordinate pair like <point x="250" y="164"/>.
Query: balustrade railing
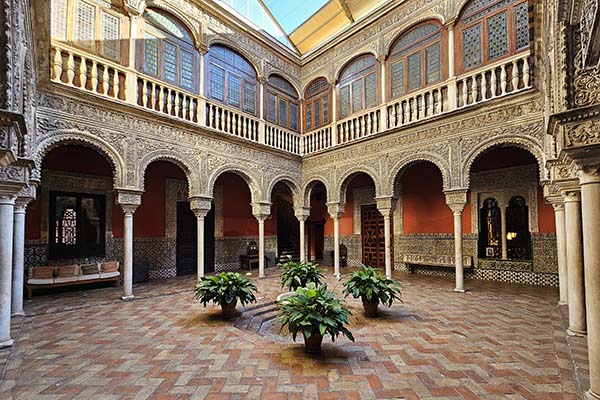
<point x="317" y="140"/>
<point x="79" y="69"/>
<point x="493" y="81"/>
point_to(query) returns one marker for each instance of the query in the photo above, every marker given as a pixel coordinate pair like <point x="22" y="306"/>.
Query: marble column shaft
<point x="576" y="287"/>
<point x="18" y="258"/>
<point x="7" y="204"/>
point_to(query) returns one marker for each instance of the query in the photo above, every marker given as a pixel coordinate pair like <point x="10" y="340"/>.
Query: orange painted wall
<point x="546" y="219"/>
<point x="237" y="209"/>
<point x="424" y="203"/>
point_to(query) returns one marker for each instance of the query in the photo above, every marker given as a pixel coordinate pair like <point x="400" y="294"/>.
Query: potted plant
<point x="314" y="311"/>
<point x="297" y="274"/>
<point x="225" y="289"/>
<point x="373" y="288"/>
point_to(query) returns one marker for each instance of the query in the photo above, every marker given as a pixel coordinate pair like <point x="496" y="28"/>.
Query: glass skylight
<point x="292" y="14"/>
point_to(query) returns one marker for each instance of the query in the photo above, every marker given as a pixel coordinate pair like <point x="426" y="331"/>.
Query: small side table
<point x="246" y="261"/>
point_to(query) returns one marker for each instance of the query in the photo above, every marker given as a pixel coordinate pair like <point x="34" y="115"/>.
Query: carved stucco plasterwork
<point x="175" y="191"/>
<point x="582" y="134"/>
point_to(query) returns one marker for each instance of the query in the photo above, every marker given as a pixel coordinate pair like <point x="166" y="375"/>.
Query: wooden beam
<point x="266" y="9"/>
<point x="346" y="9"/>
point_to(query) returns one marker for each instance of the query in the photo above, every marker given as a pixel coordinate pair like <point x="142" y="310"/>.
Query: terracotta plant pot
<point x="370" y="308"/>
<point x="313" y="343"/>
<point x="228" y="309"/>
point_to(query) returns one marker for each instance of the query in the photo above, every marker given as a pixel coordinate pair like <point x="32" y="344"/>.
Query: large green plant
<point x="373" y="287"/>
<point x="314" y="310"/>
<point x="225" y="288"/>
<point x="297" y="274"/>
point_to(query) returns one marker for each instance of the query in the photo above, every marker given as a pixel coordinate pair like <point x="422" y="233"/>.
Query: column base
<point x="573" y="332"/>
<point x="589" y="395"/>
<point x="562" y="303"/>
<point x="6" y="343"/>
<point x="457" y="290"/>
<point x="18" y="314"/>
<point x="129" y="297"/>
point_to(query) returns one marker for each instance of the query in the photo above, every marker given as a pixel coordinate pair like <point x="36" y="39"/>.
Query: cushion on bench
<point x="109" y="266"/>
<point x="37" y="281"/>
<point x="67" y="271"/>
<point x="104" y="275"/>
<point x="89" y="269"/>
<point x="66" y="279"/>
<point x="87" y="277"/>
<point x="41" y="273"/>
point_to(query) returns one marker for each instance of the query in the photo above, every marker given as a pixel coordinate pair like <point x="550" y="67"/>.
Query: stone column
<point x="336" y="210"/>
<point x="590" y="209"/>
<point x="451" y="67"/>
<point x="129" y="201"/>
<point x="25" y="196"/>
<point x="201" y="206"/>
<point x="456" y="200"/>
<point x="384" y="95"/>
<point x="576" y="286"/>
<point x="561" y="245"/>
<point x="503" y="232"/>
<point x="386" y="206"/>
<point x="261" y="212"/>
<point x="262" y="82"/>
<point x="7" y="205"/>
<point x="302" y="215"/>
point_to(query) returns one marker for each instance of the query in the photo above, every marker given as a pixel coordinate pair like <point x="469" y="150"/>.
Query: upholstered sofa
<point x="68" y="275"/>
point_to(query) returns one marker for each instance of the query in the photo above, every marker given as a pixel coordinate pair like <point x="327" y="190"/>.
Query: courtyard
<point x="496" y="341"/>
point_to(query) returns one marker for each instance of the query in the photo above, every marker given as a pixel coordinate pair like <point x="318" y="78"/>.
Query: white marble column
<point x="129" y="201"/>
<point x="19" y="255"/>
<point x="386" y="206"/>
<point x="302" y="215"/>
<point x="561" y="245"/>
<point x="336" y="210"/>
<point x="201" y="206"/>
<point x="503" y="231"/>
<point x="590" y="210"/>
<point x="7" y="204"/>
<point x="261" y="212"/>
<point x="457" y="200"/>
<point x="576" y="286"/>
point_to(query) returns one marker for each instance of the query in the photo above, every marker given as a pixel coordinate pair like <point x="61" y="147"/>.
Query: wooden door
<point x="373" y="236"/>
<point x="187" y="240"/>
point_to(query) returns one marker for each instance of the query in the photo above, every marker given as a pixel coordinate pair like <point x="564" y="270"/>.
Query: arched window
<point x="231" y="79"/>
<point x="416" y="59"/>
<point x="518" y="243"/>
<point x="358" y="85"/>
<point x="282" y="103"/>
<point x="168" y="51"/>
<point x="490" y="230"/>
<point x="492" y="29"/>
<point x="316" y="106"/>
<point x="93" y="25"/>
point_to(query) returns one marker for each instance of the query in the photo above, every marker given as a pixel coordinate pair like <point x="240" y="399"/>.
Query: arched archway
<point x="318" y="219"/>
<point x="287" y="225"/>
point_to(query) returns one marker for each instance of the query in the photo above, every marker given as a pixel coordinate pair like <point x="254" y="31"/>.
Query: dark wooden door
<point x="187" y="240"/>
<point x="373" y="236"/>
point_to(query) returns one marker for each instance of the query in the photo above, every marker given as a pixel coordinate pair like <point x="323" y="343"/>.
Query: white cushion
<point x="88" y="277"/>
<point x="105" y="275"/>
<point x="65" y="279"/>
<point x="38" y="281"/>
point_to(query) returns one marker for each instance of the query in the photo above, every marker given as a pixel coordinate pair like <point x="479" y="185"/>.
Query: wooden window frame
<point x="460" y="27"/>
<point x="246" y="78"/>
<point x="320" y="95"/>
<point x="362" y="76"/>
<point x="443" y="42"/>
<point x="283" y="96"/>
<point x="164" y="36"/>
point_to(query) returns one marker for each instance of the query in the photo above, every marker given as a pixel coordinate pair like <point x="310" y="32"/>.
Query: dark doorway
<point x="316" y="240"/>
<point x="288" y="229"/>
<point x="373" y="236"/>
<point x="187" y="240"/>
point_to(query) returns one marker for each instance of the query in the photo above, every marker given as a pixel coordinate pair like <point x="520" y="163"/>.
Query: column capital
<point x="262" y="79"/>
<point x="572" y="195"/>
<point x="335" y="210"/>
<point x="589" y="175"/>
<point x="456" y="199"/>
<point x="386" y="205"/>
<point x="135" y="8"/>
<point x="302" y="213"/>
<point x="261" y="210"/>
<point x="558" y="206"/>
<point x="381" y="58"/>
<point x="450" y="24"/>
<point x="202" y="48"/>
<point x="129" y="199"/>
<point x="200" y="205"/>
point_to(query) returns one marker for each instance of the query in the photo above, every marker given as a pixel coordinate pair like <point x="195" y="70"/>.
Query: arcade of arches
<point x="445" y="138"/>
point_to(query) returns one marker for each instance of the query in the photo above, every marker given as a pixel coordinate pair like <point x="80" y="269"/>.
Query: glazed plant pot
<point x="312" y="345"/>
<point x="371" y="308"/>
<point x="228" y="309"/>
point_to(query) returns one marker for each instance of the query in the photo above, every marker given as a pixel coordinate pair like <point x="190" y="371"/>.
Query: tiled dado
<point x="354" y="245"/>
<point x="229" y="248"/>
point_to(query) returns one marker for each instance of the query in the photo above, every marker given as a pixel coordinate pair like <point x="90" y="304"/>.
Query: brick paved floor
<point x="497" y="341"/>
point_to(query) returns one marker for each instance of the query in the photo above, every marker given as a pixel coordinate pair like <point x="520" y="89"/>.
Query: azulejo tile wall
<point x="229" y="248"/>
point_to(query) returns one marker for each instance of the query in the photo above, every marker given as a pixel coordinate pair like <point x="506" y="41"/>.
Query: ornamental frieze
<point x="583" y="134"/>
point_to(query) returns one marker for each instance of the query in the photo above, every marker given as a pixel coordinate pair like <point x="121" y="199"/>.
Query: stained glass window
<point x="317" y="98"/>
<point x="236" y="74"/>
<point x="416" y="59"/>
<point x="492" y="29"/>
<point x="359" y="80"/>
<point x="287" y="102"/>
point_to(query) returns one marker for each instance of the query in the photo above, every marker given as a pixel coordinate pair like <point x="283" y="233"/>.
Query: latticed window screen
<point x="187" y="70"/>
<point x="371" y="90"/>
<point x="497" y="29"/>
<point x="85" y="25"/>
<point x="110" y="40"/>
<point x="317" y="99"/>
<point x="492" y="29"/>
<point x="317" y="113"/>
<point x="325" y="100"/>
<point x="150" y="54"/>
<point x="217" y="83"/>
<point x="416" y="59"/>
<point x="293" y="117"/>
<point x="170" y="62"/>
<point x="286" y="103"/>
<point x="237" y="75"/>
<point x="58" y="25"/>
<point x="66" y="228"/>
<point x="308" y="116"/>
<point x="357" y="95"/>
<point x="271" y="107"/>
<point x="345" y="101"/>
<point x="359" y="80"/>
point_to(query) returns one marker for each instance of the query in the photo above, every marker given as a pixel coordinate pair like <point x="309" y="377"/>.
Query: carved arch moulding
<point x="345" y="176"/>
<point x="292" y="184"/>
<point x="188" y="166"/>
<point x="405" y="162"/>
<point x="310" y="183"/>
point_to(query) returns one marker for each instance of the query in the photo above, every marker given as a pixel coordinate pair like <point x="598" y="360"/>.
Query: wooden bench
<point x="80" y="278"/>
<point x="426" y="260"/>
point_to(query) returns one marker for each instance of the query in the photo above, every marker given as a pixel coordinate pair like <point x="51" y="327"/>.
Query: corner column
<point x="590" y="201"/>
<point x="456" y="200"/>
<point x="302" y="215"/>
<point x="386" y="206"/>
<point x="261" y="212"/>
<point x="201" y="206"/>
<point x="576" y="282"/>
<point x="129" y="200"/>
<point x="336" y="210"/>
<point x="7" y="205"/>
<point x="23" y="199"/>
<point x="561" y="246"/>
<point x="503" y="232"/>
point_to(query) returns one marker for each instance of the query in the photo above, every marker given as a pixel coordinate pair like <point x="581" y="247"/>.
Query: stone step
<point x="258" y="320"/>
<point x="253" y="311"/>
